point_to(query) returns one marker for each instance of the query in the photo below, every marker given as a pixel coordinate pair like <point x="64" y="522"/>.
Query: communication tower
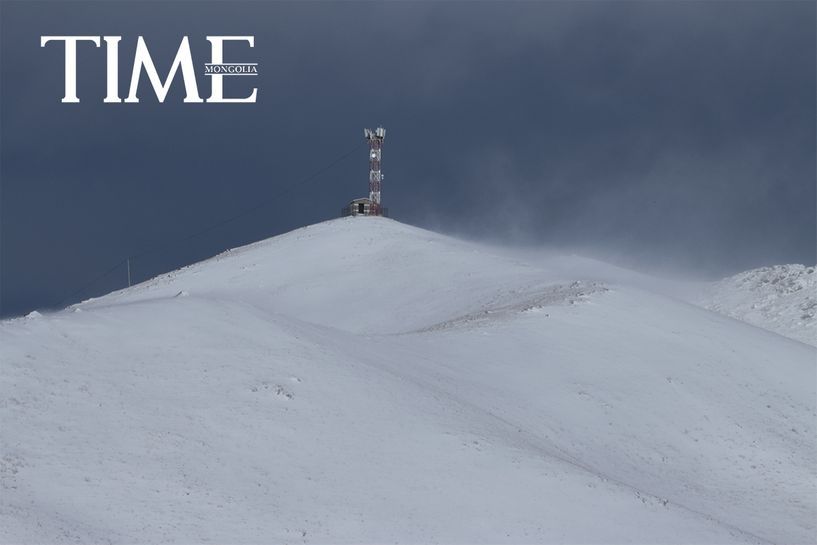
<point x="375" y="138"/>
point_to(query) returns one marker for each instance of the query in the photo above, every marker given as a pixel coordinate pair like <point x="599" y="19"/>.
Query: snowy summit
<point x="364" y="381"/>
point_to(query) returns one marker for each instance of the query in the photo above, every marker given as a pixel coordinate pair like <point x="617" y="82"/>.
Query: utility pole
<point x="128" y="260"/>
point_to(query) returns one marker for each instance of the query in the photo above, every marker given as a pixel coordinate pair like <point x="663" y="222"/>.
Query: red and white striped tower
<point x="375" y="138"/>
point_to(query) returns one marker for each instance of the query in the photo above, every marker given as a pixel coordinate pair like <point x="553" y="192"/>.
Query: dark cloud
<point x="664" y="135"/>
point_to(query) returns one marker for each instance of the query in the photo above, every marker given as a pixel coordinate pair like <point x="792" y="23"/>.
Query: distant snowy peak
<point x="781" y="298"/>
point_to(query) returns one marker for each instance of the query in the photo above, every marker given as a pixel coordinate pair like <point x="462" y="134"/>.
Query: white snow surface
<point x="365" y="381"/>
<point x="781" y="298"/>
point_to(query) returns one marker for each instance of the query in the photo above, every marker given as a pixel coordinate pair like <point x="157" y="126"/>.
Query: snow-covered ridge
<point x="781" y="298"/>
<point x="365" y="381"/>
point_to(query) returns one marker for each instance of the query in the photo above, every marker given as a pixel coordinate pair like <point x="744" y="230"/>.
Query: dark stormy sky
<point x="663" y="135"/>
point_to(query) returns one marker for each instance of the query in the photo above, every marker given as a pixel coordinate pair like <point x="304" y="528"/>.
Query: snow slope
<point x="362" y="380"/>
<point x="782" y="298"/>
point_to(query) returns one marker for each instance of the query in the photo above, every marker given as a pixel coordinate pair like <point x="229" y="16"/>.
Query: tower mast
<point x="375" y="138"/>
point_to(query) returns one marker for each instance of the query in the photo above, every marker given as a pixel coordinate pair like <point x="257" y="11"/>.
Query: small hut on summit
<point x="359" y="207"/>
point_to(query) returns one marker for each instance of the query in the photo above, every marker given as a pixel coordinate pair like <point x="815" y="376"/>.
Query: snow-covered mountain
<point x="782" y="298"/>
<point x="362" y="380"/>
